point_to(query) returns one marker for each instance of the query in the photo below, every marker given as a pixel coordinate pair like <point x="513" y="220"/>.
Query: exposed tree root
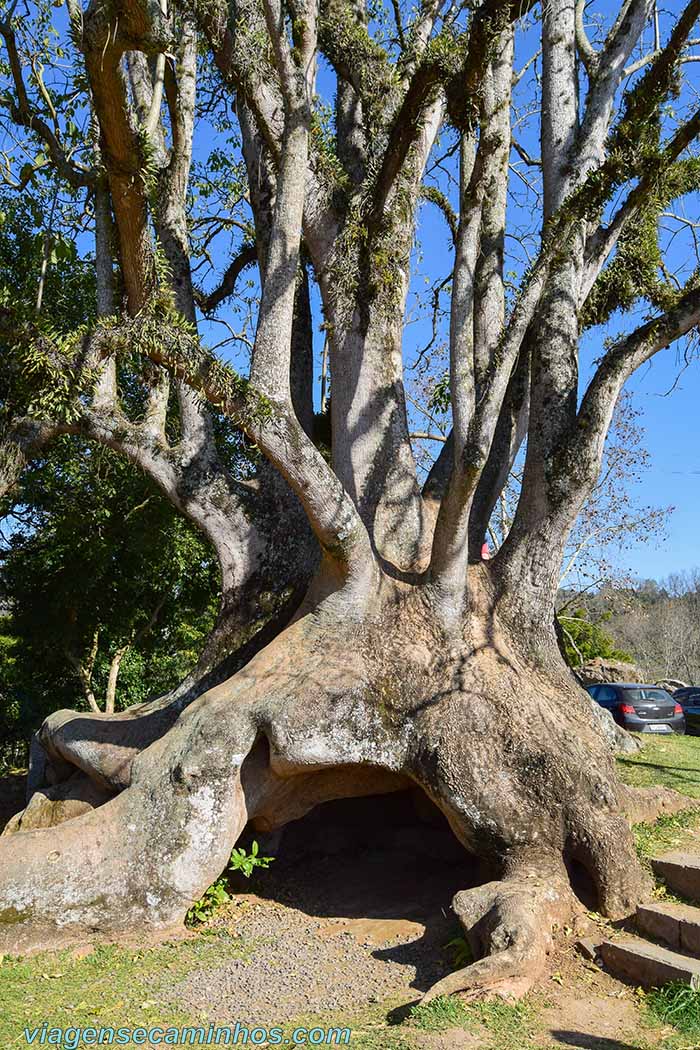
<point x="50" y="806"/>
<point x="642" y="805"/>
<point x="508" y="926"/>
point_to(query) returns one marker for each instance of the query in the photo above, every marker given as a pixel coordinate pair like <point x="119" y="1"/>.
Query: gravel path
<point x="344" y="931"/>
<point x="293" y="970"/>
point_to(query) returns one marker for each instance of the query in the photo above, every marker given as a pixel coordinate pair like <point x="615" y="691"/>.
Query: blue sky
<point x="672" y="426"/>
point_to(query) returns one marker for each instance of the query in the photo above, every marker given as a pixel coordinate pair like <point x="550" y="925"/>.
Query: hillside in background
<point x="656" y="624"/>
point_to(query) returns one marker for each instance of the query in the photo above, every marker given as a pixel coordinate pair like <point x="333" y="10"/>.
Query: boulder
<point x="600" y="670"/>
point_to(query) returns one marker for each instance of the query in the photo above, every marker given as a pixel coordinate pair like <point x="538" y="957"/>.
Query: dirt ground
<point x="369" y="927"/>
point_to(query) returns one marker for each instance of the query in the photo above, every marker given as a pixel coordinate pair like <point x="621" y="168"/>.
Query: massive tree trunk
<point x="394" y="657"/>
<point x="363" y="693"/>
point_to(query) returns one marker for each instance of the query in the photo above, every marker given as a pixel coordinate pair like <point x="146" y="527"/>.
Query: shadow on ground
<point x="581" y="1041"/>
<point x="382" y="870"/>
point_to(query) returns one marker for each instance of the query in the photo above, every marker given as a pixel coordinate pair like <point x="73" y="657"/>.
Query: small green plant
<point x="217" y="894"/>
<point x="246" y="863"/>
<point x="212" y="898"/>
<point x="461" y="952"/>
<point x="677" y="1004"/>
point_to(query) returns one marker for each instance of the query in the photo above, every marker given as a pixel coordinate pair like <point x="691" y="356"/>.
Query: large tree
<point x="400" y="658"/>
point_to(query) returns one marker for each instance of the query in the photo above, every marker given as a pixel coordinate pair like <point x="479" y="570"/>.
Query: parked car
<point x="640" y="708"/>
<point x="689" y="699"/>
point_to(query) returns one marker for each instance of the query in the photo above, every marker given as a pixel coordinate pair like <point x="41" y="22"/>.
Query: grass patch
<point x="666" y="833"/>
<point x="381" y="1040"/>
<point x="505" y="1026"/>
<point x="443" y="1012"/>
<point x="678" y="1005"/>
<point x="512" y="1025"/>
<point x="672" y="761"/>
<point x="376" y="1026"/>
<point x="113" y="986"/>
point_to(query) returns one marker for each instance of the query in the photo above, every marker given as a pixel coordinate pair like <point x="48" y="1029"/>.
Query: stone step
<point x="680" y="871"/>
<point x="677" y="925"/>
<point x="646" y="964"/>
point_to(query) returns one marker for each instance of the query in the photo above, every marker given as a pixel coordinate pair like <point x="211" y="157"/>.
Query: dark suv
<point x="640" y="708"/>
<point x="689" y="699"/>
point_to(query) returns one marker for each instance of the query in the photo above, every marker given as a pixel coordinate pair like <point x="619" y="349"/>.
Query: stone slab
<point x="648" y="964"/>
<point x="680" y="871"/>
<point x="677" y="925"/>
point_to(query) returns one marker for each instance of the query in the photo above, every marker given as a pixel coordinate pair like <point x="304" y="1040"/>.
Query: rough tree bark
<point x="408" y="661"/>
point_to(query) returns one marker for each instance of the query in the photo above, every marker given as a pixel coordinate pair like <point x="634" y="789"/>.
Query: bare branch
<point x="208" y="302"/>
<point x="588" y="54"/>
<point x="533" y="162"/>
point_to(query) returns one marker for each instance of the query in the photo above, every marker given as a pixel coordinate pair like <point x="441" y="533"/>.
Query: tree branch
<point x="438" y="198"/>
<point x="461" y="81"/>
<point x="208" y="301"/>
<point x="625" y="356"/>
<point x="587" y="53"/>
<point x="609" y="71"/>
<point x="24" y="115"/>
<point x="601" y="243"/>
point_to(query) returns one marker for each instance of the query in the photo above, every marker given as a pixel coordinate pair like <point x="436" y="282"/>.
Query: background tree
<point x="660" y="624"/>
<point x="585" y="639"/>
<point x="402" y="662"/>
<point x="111" y="593"/>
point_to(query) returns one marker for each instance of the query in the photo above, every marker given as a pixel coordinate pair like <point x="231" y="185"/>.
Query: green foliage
<point x="159" y="333"/>
<point x="218" y="893"/>
<point x="347" y="41"/>
<point x="97" y="560"/>
<point x="35" y="347"/>
<point x="585" y="639"/>
<point x="634" y="273"/>
<point x="461" y="952"/>
<point x="677" y="1004"/>
<point x="246" y="863"/>
<point x="69" y="281"/>
<point x="439" y="400"/>
<point x="213" y="898"/>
